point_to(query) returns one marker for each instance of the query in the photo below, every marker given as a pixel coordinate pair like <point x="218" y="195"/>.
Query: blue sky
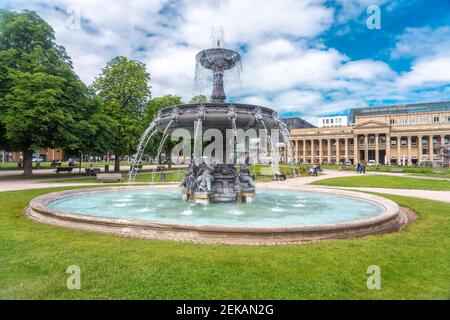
<point x="307" y="58"/>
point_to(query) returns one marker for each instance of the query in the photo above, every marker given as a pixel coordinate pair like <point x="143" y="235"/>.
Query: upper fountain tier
<point x="218" y="60"/>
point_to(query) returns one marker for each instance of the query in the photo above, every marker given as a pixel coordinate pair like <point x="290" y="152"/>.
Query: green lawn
<point x="379" y="181"/>
<point x="171" y="176"/>
<point x="415" y="263"/>
<point x="419" y="171"/>
<point x="47" y="165"/>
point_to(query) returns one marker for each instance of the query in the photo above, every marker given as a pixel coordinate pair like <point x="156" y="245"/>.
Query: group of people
<point x="360" y="167"/>
<point x="314" y="170"/>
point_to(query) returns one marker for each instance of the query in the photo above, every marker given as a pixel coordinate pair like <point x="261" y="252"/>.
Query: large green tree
<point x="41" y="97"/>
<point x="94" y="134"/>
<point x="152" y="108"/>
<point x="123" y="89"/>
<point x="199" y="99"/>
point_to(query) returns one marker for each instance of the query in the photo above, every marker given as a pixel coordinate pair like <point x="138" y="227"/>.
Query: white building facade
<point x="330" y="122"/>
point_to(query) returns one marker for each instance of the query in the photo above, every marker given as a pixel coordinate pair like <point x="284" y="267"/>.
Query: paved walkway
<point x="37" y="172"/>
<point x="24" y="184"/>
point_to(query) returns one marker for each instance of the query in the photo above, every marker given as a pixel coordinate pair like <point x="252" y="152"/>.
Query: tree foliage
<point x="123" y="90"/>
<point x="152" y="108"/>
<point x="199" y="99"/>
<point x="42" y="100"/>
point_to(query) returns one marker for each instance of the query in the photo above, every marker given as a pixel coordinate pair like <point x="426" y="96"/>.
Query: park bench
<point x="56" y="164"/>
<point x="109" y="177"/>
<point x="138" y="167"/>
<point x="63" y="169"/>
<point x="397" y="170"/>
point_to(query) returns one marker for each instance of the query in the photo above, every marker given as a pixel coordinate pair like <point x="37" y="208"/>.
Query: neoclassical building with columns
<point x="413" y="134"/>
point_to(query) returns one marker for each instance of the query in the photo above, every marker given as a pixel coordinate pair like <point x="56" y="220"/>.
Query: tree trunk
<point x="27" y="163"/>
<point x="117" y="163"/>
<point x="81" y="161"/>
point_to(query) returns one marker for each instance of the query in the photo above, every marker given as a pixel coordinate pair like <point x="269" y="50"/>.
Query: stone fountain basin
<point x="216" y="117"/>
<point x="218" y="58"/>
<point x="391" y="219"/>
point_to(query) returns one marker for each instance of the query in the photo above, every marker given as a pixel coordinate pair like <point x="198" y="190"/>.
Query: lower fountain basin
<point x="275" y="217"/>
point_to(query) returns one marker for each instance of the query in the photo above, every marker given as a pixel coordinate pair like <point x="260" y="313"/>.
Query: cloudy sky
<point x="301" y="57"/>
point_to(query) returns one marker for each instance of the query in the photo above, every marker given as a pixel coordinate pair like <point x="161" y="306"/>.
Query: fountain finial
<point x="217" y="36"/>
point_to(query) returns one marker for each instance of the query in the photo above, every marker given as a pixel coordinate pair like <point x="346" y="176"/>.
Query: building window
<point x="394" y="142"/>
<point x="392" y="122"/>
<point x="448" y="119"/>
<point x="403" y="141"/>
<point x="436" y="120"/>
<point x="414" y="141"/>
<point x="425" y="151"/>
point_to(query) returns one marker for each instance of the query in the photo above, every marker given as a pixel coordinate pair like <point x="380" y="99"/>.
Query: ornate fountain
<point x="276" y="216"/>
<point x="214" y="181"/>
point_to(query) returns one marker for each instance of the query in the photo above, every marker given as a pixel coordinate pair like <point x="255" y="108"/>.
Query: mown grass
<point x="171" y="176"/>
<point x="415" y="263"/>
<point x="378" y="181"/>
<point x="419" y="171"/>
<point x="12" y="165"/>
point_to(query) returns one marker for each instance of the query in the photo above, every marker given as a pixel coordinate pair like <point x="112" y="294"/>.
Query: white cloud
<point x="427" y="72"/>
<point x="430" y="50"/>
<point x="288" y="66"/>
<point x="250" y="21"/>
<point x="419" y="42"/>
<point x="365" y="70"/>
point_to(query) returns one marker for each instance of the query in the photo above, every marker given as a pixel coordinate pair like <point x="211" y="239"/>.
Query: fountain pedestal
<point x="186" y="194"/>
<point x="203" y="197"/>
<point x="245" y="196"/>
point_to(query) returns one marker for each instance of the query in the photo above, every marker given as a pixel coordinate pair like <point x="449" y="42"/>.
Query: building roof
<point x="398" y="109"/>
<point x="296" y="122"/>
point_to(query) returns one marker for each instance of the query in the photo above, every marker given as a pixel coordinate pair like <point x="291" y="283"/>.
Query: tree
<point x="155" y="104"/>
<point x="199" y="99"/>
<point x="41" y="97"/>
<point x="123" y="90"/>
<point x="93" y="134"/>
<point x="152" y="107"/>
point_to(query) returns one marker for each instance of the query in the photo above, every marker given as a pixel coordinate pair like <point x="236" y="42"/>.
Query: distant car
<point x="347" y="163"/>
<point x="371" y="163"/>
<point x="38" y="159"/>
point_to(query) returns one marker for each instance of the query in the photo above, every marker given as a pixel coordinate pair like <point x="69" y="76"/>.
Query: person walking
<point x="363" y="168"/>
